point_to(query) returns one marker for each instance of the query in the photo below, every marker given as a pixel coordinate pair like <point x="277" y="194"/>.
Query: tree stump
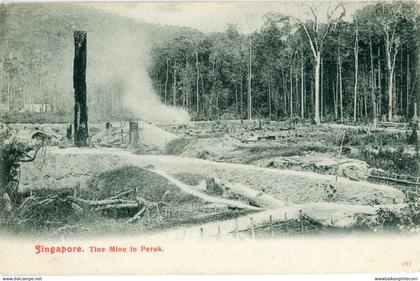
<point x="133" y="133"/>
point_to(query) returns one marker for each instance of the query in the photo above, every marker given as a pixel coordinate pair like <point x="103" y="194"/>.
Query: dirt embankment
<point x="321" y="163"/>
<point x="150" y="136"/>
<point x="73" y="166"/>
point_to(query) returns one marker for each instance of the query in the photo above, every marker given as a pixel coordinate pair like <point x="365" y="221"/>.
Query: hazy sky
<point x="214" y="16"/>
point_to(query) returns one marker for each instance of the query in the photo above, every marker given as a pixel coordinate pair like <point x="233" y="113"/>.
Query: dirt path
<point x="68" y="167"/>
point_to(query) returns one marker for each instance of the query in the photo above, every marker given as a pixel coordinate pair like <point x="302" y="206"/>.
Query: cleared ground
<point x="204" y="173"/>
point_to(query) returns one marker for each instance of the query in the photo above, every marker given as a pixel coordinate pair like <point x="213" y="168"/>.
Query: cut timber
<point x="118" y="203"/>
<point x="105" y="202"/>
<point x="79" y="86"/>
<point x="136" y="216"/>
<point x="261" y="198"/>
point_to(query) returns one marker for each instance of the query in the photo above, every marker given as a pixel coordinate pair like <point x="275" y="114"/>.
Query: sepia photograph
<point x="242" y="137"/>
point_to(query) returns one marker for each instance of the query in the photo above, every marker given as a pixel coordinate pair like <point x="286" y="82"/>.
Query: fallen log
<point x="94" y="203"/>
<point x="260" y="198"/>
<point x="136" y="216"/>
<point x="107" y="204"/>
<point x="123" y="193"/>
<point x="133" y="204"/>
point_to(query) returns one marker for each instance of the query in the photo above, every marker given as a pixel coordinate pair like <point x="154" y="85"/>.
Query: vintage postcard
<point x="209" y="138"/>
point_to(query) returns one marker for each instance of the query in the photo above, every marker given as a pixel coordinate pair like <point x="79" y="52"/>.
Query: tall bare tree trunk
<point x="379" y="84"/>
<point x="197" y="98"/>
<point x="249" y="80"/>
<point x="242" y="98"/>
<point x="390" y="63"/>
<point x="296" y="89"/>
<point x="302" y="103"/>
<point x="291" y="91"/>
<point x="269" y="101"/>
<point x="394" y="92"/>
<point x="335" y="98"/>
<point x="283" y="80"/>
<point x="9" y="95"/>
<point x="365" y="102"/>
<point x="79" y="85"/>
<point x="340" y="87"/>
<point x="236" y="99"/>
<point x="317" y="72"/>
<point x="185" y="84"/>
<point x="356" y="69"/>
<point x="1" y="80"/>
<point x="166" y="81"/>
<point x="322" y="93"/>
<point x="400" y="99"/>
<point x="372" y="84"/>
<point x="174" y="86"/>
<point x="312" y="94"/>
<point x="408" y="76"/>
<point x="217" y="105"/>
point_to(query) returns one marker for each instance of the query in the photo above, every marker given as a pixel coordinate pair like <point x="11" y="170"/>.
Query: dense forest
<point x="324" y="67"/>
<point x="348" y="71"/>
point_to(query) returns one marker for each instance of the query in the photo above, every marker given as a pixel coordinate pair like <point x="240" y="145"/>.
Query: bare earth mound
<point x="71" y="167"/>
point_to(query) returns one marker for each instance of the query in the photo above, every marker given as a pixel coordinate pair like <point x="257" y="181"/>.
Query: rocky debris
<point x="319" y="163"/>
<point x="210" y="148"/>
<point x="214" y="188"/>
<point x="354" y="170"/>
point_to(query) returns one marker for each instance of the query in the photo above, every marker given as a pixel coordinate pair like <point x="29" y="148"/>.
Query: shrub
<point x="407" y="219"/>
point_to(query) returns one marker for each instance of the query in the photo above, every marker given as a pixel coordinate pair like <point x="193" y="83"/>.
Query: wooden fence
<point x="300" y="225"/>
<point x="406" y="183"/>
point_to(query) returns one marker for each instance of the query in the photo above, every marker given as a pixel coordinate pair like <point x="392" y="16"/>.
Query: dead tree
<point x="316" y="36"/>
<point x="79" y="86"/>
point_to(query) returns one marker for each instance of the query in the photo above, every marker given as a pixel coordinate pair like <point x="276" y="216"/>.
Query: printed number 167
<point x="406" y="263"/>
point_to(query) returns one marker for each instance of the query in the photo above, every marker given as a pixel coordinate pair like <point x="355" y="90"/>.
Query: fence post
<point x="301" y="220"/>
<point x="157" y="211"/>
<point x="218" y="231"/>
<point x="148" y="214"/>
<point x="201" y="232"/>
<point x="236" y="228"/>
<point x="252" y="228"/>
<point x="271" y="226"/>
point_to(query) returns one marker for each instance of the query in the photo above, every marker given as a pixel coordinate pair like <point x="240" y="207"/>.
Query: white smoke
<point x="124" y="55"/>
<point x="141" y="100"/>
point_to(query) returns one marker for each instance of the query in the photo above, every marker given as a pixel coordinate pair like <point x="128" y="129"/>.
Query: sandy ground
<point x="70" y="166"/>
<point x="149" y="134"/>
